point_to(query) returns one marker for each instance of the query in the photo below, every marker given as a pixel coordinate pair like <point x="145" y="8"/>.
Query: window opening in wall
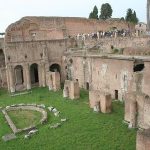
<point x="112" y="47"/>
<point x="34" y="73"/>
<point x="116" y="94"/>
<point x="87" y="85"/>
<point x="55" y="68"/>
<point x="138" y="65"/>
<point x="19" y="75"/>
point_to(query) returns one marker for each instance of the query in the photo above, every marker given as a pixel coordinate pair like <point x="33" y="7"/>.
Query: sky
<point x="13" y="10"/>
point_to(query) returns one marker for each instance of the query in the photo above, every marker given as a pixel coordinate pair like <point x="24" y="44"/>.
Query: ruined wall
<point x="137" y="109"/>
<point x="71" y="89"/>
<point x="34" y="28"/>
<point x="146" y="79"/>
<point x="111" y="75"/>
<point x="78" y="71"/>
<point x="1" y="43"/>
<point x="137" y="100"/>
<point x="104" y="74"/>
<point x="83" y="25"/>
<point x="101" y="100"/>
<point x="105" y="44"/>
<point x="116" y="74"/>
<point x="42" y="53"/>
<point x="3" y="79"/>
<point x="137" y="51"/>
<point x="47" y="28"/>
<point x="35" y="51"/>
<point x="148" y="15"/>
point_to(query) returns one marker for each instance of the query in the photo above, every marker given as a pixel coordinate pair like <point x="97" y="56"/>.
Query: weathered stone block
<point x="71" y="89"/>
<point x="54" y="81"/>
<point x="137" y="110"/>
<point x="102" y="99"/>
<point x="143" y="140"/>
<point x="93" y="98"/>
<point x="105" y="103"/>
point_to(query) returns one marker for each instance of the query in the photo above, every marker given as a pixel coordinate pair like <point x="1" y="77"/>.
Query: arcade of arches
<point x="26" y="76"/>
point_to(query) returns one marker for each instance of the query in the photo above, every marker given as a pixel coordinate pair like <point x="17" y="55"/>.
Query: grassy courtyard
<point x="85" y="130"/>
<point x="24" y="118"/>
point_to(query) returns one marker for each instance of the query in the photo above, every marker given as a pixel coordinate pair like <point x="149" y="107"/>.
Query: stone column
<point x="116" y="34"/>
<point x="11" y="79"/>
<point x="28" y="79"/>
<point x="42" y="75"/>
<point x="143" y="140"/>
<point x="133" y="114"/>
<point x="7" y="75"/>
<point x="148" y="15"/>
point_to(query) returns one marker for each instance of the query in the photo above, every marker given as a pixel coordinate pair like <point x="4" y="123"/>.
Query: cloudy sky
<point x="13" y="10"/>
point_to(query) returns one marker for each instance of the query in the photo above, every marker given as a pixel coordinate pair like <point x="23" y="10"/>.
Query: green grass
<point x="85" y="130"/>
<point x="25" y="118"/>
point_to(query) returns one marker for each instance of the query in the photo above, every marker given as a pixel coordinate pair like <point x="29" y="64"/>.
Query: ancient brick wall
<point x="34" y="51"/>
<point x="137" y="106"/>
<point x="83" y="25"/>
<point x="137" y="45"/>
<point x="3" y="79"/>
<point x="146" y="79"/>
<point x="104" y="74"/>
<point x="112" y="75"/>
<point x="47" y="28"/>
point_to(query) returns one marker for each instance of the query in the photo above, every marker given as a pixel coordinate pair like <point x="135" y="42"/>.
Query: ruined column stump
<point x="71" y="89"/>
<point x="54" y="81"/>
<point x="102" y="99"/>
<point x="143" y="140"/>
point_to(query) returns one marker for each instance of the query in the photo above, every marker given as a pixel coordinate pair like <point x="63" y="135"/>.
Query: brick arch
<point x="34" y="73"/>
<point x="19" y="77"/>
<point x="55" y="67"/>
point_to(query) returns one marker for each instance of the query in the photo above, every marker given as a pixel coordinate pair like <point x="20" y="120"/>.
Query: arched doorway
<point x="34" y="74"/>
<point x="2" y="58"/>
<point x="55" y="68"/>
<point x="138" y="65"/>
<point x="19" y="75"/>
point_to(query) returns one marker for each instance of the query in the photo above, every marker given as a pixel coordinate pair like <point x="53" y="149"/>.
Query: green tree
<point x="106" y="11"/>
<point x="131" y="16"/>
<point x="122" y="18"/>
<point x="94" y="13"/>
<point x="135" y="19"/>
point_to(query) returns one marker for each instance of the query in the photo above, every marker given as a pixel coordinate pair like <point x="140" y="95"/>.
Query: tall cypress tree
<point x="106" y="11"/>
<point x="94" y="13"/>
<point x="131" y="16"/>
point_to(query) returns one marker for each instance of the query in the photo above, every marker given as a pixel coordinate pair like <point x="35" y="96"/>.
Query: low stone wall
<point x="11" y="124"/>
<point x="33" y="107"/>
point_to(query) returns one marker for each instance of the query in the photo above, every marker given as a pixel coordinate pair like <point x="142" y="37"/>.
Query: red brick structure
<point x="71" y="89"/>
<point x="53" y="81"/>
<point x="101" y="100"/>
<point x="143" y="140"/>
